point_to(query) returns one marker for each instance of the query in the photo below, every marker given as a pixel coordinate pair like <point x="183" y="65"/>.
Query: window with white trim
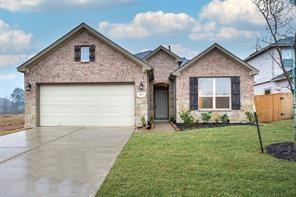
<point x="84" y="54"/>
<point x="288" y="56"/>
<point x="214" y="93"/>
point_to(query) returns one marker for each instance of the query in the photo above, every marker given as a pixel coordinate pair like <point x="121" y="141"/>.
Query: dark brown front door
<point x="161" y="103"/>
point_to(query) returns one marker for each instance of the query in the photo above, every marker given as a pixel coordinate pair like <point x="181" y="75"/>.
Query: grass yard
<point x="206" y="162"/>
<point x="11" y="124"/>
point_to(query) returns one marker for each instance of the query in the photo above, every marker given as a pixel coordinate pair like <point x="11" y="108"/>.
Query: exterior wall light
<point x="141" y="86"/>
<point x="28" y="87"/>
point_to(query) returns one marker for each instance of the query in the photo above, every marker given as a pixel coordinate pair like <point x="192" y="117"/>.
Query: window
<point x="267" y="91"/>
<point x="214" y="93"/>
<point x="84" y="54"/>
<point x="287" y="55"/>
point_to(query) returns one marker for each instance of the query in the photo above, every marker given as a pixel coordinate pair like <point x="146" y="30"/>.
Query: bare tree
<point x="280" y="16"/>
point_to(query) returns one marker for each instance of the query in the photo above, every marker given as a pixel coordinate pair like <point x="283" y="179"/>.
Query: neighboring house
<point x="86" y="79"/>
<point x="271" y="79"/>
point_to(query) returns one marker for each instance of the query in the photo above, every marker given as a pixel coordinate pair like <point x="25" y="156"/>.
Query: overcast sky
<point x="28" y="26"/>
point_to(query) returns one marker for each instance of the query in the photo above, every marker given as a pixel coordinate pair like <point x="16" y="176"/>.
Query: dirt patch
<point x="11" y="122"/>
<point x="284" y="150"/>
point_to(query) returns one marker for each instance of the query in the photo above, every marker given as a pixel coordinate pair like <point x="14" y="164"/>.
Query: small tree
<point x="279" y="16"/>
<point x="17" y="99"/>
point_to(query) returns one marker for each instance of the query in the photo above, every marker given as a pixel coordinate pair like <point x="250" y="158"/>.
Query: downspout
<point x="175" y="99"/>
<point x="148" y="96"/>
<point x="173" y="78"/>
<point x="175" y="90"/>
<point x="150" y="81"/>
<point x="272" y="65"/>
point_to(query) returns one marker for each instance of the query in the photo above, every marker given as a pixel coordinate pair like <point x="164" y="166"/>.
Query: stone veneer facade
<point x="163" y="64"/>
<point x="215" y="63"/>
<point x="59" y="67"/>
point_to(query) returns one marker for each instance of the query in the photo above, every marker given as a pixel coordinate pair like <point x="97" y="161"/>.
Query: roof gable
<point x="285" y="42"/>
<point x="253" y="70"/>
<point x="79" y="28"/>
<point x="163" y="49"/>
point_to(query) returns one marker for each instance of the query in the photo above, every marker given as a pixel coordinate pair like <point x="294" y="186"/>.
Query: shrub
<point x="206" y="116"/>
<point x="151" y="119"/>
<point x="172" y="119"/>
<point x="143" y="120"/>
<point x="251" y="117"/>
<point x="196" y="121"/>
<point x="216" y="117"/>
<point x="187" y="117"/>
<point x="224" y="118"/>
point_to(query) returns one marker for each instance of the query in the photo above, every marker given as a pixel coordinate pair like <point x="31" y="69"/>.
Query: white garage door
<point x="100" y="105"/>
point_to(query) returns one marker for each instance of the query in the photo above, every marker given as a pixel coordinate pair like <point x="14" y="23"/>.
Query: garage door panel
<point x="82" y="108"/>
<point x="90" y="122"/>
<point x="105" y="105"/>
<point x="78" y="107"/>
<point x="65" y="98"/>
<point x="88" y="101"/>
<point x="85" y="115"/>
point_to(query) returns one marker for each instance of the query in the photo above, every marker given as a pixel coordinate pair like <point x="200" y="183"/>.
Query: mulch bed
<point x="284" y="150"/>
<point x="183" y="127"/>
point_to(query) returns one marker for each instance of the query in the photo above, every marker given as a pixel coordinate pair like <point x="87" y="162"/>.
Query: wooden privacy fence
<point x="272" y="107"/>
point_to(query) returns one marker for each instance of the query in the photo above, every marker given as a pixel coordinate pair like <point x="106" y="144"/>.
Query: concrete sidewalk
<point x="163" y="126"/>
<point x="159" y="127"/>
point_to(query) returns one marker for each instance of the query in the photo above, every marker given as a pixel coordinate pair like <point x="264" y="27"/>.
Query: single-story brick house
<point x="86" y="79"/>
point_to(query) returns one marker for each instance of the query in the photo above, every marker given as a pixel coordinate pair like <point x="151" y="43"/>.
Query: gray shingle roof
<point x="184" y="61"/>
<point x="286" y="41"/>
<point x="143" y="54"/>
<point x="282" y="76"/>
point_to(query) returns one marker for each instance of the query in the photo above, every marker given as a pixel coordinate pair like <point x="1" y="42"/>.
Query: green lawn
<point x="205" y="162"/>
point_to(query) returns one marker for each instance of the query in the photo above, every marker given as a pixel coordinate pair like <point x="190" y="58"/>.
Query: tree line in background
<point x="13" y="105"/>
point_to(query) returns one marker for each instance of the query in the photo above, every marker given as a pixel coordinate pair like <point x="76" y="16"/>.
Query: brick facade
<point x="111" y="66"/>
<point x="215" y="63"/>
<point x="163" y="64"/>
<point x="60" y="67"/>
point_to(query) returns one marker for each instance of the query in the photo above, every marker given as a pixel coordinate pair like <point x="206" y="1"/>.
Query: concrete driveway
<point x="58" y="161"/>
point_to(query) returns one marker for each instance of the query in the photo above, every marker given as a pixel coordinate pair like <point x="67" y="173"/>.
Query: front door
<point x="161" y="103"/>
